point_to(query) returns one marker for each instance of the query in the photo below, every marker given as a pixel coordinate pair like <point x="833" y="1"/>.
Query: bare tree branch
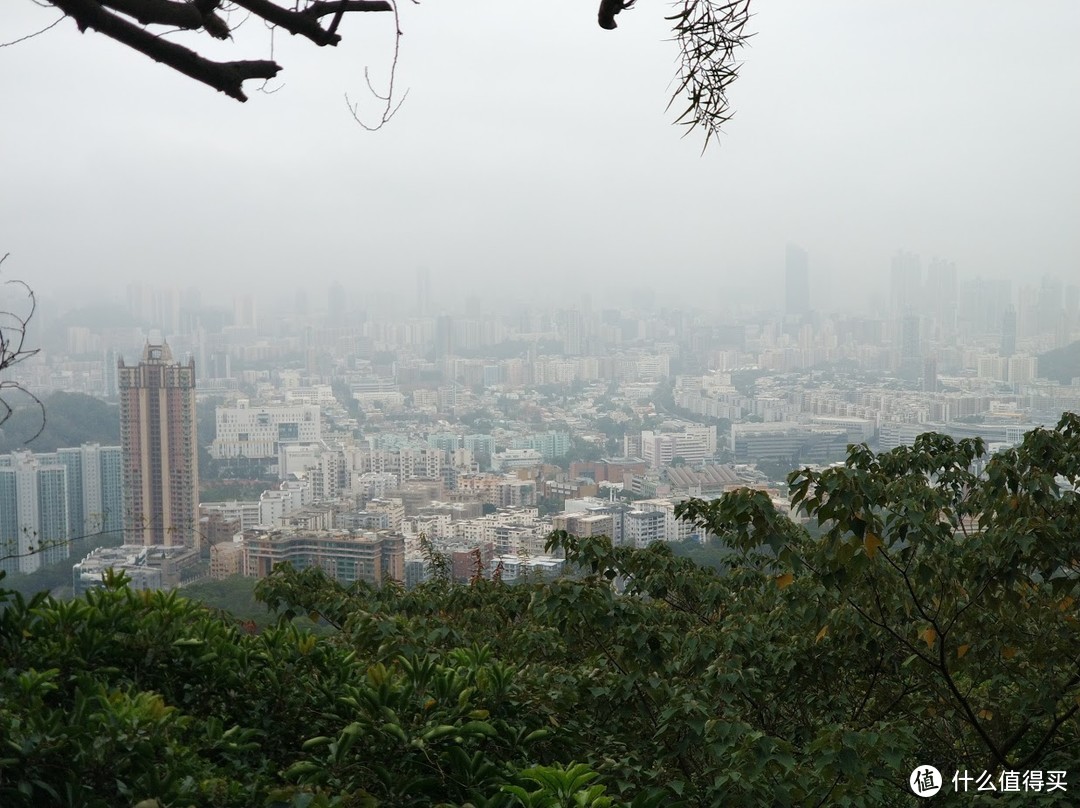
<point x="13" y="350"/>
<point x="227" y="77"/>
<point x="389" y="107"/>
<point x="51" y="25"/>
<point x="322" y="8"/>
<point x="189" y="15"/>
<point x="304" y="22"/>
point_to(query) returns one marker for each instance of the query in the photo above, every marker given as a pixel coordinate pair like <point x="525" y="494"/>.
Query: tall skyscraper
<point x="942" y="298"/>
<point x="160" y="445"/>
<point x="906" y="287"/>
<point x="910" y="347"/>
<point x="1051" y="309"/>
<point x="1008" y="333"/>
<point x="244" y="312"/>
<point x="108" y="381"/>
<point x="444" y="338"/>
<point x="930" y="375"/>
<point x="573" y="333"/>
<point x="982" y="305"/>
<point x="796" y="281"/>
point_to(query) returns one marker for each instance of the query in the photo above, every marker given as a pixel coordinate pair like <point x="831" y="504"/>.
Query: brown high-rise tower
<point x="160" y="442"/>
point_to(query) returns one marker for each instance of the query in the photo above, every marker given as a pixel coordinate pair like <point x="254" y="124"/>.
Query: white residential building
<point x="49" y="500"/>
<point x="319" y="465"/>
<point x="276" y="504"/>
<point x="34" y="526"/>
<point x="642" y="528"/>
<point x="693" y="444"/>
<point x="261" y="432"/>
<point x="245" y="513"/>
<point x="408" y="463"/>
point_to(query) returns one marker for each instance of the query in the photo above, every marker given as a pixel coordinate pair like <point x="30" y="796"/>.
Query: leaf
<point x="440" y="731"/>
<point x="929" y="636"/>
<point x="962" y="650"/>
<point x="824" y="631"/>
<point x="784" y="581"/>
<point x="1008" y="652"/>
<point x="478" y="728"/>
<point x="871" y="543"/>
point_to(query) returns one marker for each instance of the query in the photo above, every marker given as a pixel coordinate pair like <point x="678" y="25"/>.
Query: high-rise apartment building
<point x="95" y="488"/>
<point x="942" y="297"/>
<point x="47" y="501"/>
<point x="444" y="338"/>
<point x="1008" y="333"/>
<point x="108" y="381"/>
<point x="160" y="446"/>
<point x="573" y="333"/>
<point x="34" y="525"/>
<point x="906" y="283"/>
<point x="796" y="281"/>
<point x="910" y="359"/>
<point x="982" y="305"/>
<point x="244" y="312"/>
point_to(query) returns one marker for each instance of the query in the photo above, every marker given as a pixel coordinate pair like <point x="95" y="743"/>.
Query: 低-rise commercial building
<point x="160" y="445"/>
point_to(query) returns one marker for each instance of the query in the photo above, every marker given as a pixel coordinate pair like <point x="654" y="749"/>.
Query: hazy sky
<point x="534" y="155"/>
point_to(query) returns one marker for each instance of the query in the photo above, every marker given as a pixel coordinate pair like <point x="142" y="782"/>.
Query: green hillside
<point x="1061" y="365"/>
<point x="71" y="419"/>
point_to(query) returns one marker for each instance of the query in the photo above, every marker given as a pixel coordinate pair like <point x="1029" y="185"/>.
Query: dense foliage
<point x="931" y="616"/>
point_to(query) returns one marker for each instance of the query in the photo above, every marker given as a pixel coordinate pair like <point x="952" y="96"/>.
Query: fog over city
<point x="533" y="159"/>
<point x="445" y="426"/>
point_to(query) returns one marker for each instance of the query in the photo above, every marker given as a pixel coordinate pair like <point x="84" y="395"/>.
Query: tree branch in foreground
<point x="227" y="77"/>
<point x="13" y="327"/>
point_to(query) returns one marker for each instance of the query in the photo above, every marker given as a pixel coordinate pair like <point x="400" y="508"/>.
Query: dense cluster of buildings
<point x="383" y="435"/>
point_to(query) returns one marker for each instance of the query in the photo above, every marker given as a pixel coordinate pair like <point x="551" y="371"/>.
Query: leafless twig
<point x="389" y="107"/>
<point x="13" y="350"/>
<point x="52" y="24"/>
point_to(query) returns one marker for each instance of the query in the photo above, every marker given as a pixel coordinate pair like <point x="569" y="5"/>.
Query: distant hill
<point x="71" y="419"/>
<point x="1061" y="365"/>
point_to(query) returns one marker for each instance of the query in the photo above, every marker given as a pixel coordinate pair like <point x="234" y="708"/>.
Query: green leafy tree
<point x="953" y="594"/>
<point x="929" y="618"/>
